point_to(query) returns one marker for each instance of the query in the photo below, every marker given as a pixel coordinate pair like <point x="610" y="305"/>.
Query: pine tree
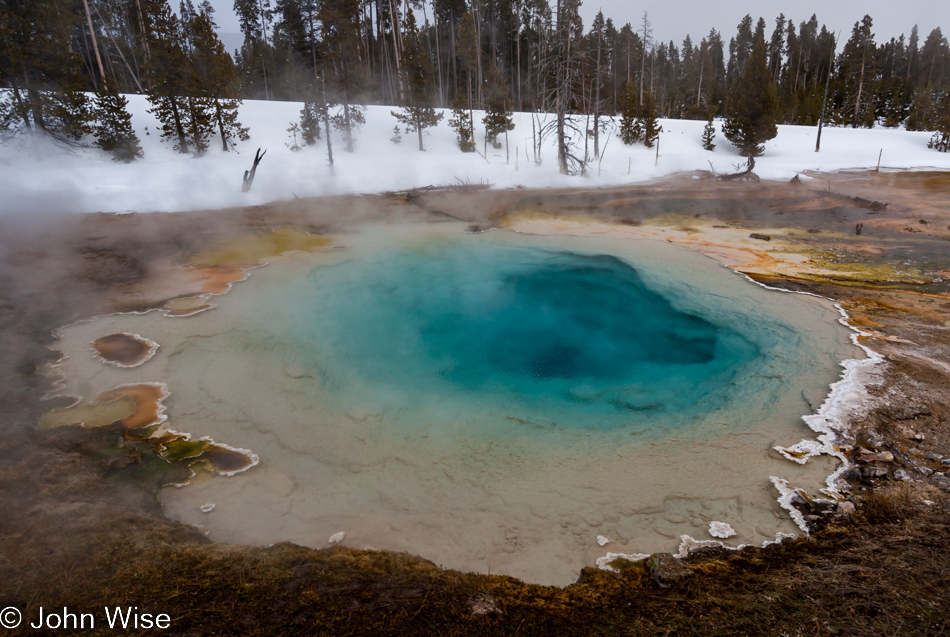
<point x="461" y="122"/>
<point x="631" y="127"/>
<point x="41" y="69"/>
<point x="113" y="128"/>
<point x="922" y="114"/>
<point x="216" y="80"/>
<point x="169" y="72"/>
<point x="941" y="139"/>
<point x="310" y="116"/>
<point x="198" y="122"/>
<point x="752" y="106"/>
<point x="341" y="49"/>
<point x="467" y="52"/>
<point x="418" y="114"/>
<point x="648" y="121"/>
<point x="498" y="111"/>
<point x="857" y="65"/>
<point x="709" y="134"/>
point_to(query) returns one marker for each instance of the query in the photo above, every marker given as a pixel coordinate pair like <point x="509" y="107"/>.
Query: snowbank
<point x="40" y="177"/>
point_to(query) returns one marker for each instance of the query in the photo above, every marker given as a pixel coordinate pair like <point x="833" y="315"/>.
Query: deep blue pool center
<point x="549" y="337"/>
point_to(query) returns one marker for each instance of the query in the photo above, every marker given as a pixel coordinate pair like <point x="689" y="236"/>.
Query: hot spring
<point x="493" y="402"/>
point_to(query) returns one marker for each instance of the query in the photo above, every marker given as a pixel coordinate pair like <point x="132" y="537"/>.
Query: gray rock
<point x="901" y="475"/>
<point x="846" y="507"/>
<point x="483" y="604"/>
<point x="945" y="462"/>
<point x="941" y="481"/>
<point x="873" y="472"/>
<point x="930" y="455"/>
<point x="924" y="471"/>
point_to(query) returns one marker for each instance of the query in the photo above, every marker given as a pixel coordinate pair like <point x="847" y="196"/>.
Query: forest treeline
<point x="493" y="55"/>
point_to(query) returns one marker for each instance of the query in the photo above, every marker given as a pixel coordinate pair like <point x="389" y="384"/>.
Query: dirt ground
<point x="81" y="527"/>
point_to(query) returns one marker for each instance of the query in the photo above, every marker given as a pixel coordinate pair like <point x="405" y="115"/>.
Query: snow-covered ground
<point x="38" y="177"/>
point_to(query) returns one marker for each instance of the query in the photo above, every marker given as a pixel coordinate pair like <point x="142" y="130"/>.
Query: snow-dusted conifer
<point x="113" y="127"/>
<point x="216" y="79"/>
<point x="752" y="105"/>
<point x="461" y="122"/>
<point x="631" y="128"/>
<point x="310" y="116"/>
<point x="498" y="110"/>
<point x="418" y="114"/>
<point x="941" y="139"/>
<point x="709" y="134"/>
<point x="168" y="71"/>
<point x="648" y="120"/>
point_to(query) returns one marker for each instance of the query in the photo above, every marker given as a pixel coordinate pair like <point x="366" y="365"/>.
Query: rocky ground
<point x="81" y="525"/>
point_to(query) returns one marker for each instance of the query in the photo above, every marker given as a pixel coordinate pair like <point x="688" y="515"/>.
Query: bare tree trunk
<point x="438" y="59"/>
<point x="264" y="36"/>
<point x="397" y="47"/>
<point x="179" y="130"/>
<point x="699" y="90"/>
<point x="118" y="49"/>
<point x="597" y="102"/>
<point x="518" y="59"/>
<point x="326" y="121"/>
<point x="95" y="45"/>
<point x="249" y="174"/>
<point x="478" y="48"/>
<point x="346" y="122"/>
<point x="21" y="108"/>
<point x="857" y="101"/>
<point x="217" y="114"/>
<point x="562" y="88"/>
<point x="138" y="5"/>
<point x="824" y="99"/>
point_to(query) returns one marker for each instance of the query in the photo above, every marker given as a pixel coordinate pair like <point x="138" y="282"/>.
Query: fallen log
<point x="742" y="175"/>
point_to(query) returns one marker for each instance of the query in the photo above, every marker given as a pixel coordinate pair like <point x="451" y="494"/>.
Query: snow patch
<point x="43" y="177"/>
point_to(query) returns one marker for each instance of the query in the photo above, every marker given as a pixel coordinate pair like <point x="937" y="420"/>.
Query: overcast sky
<point x="672" y="20"/>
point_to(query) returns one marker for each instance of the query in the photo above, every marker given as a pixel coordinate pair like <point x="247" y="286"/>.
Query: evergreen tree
<point x="113" y="128"/>
<point x="418" y="114"/>
<point x="169" y="73"/>
<point x="310" y="116"/>
<point x="42" y="70"/>
<point x="467" y="52"/>
<point x="941" y="139"/>
<point x="709" y="134"/>
<point x="631" y="126"/>
<point x="922" y="114"/>
<point x="498" y="111"/>
<point x="649" y="123"/>
<point x="461" y="122"/>
<point x="751" y="107"/>
<point x="341" y="49"/>
<point x="216" y="80"/>
<point x="857" y="65"/>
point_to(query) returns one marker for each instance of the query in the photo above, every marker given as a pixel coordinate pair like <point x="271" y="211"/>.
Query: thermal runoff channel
<point x="494" y="402"/>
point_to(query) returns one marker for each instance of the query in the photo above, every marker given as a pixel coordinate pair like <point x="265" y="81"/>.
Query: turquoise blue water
<point x="542" y="336"/>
